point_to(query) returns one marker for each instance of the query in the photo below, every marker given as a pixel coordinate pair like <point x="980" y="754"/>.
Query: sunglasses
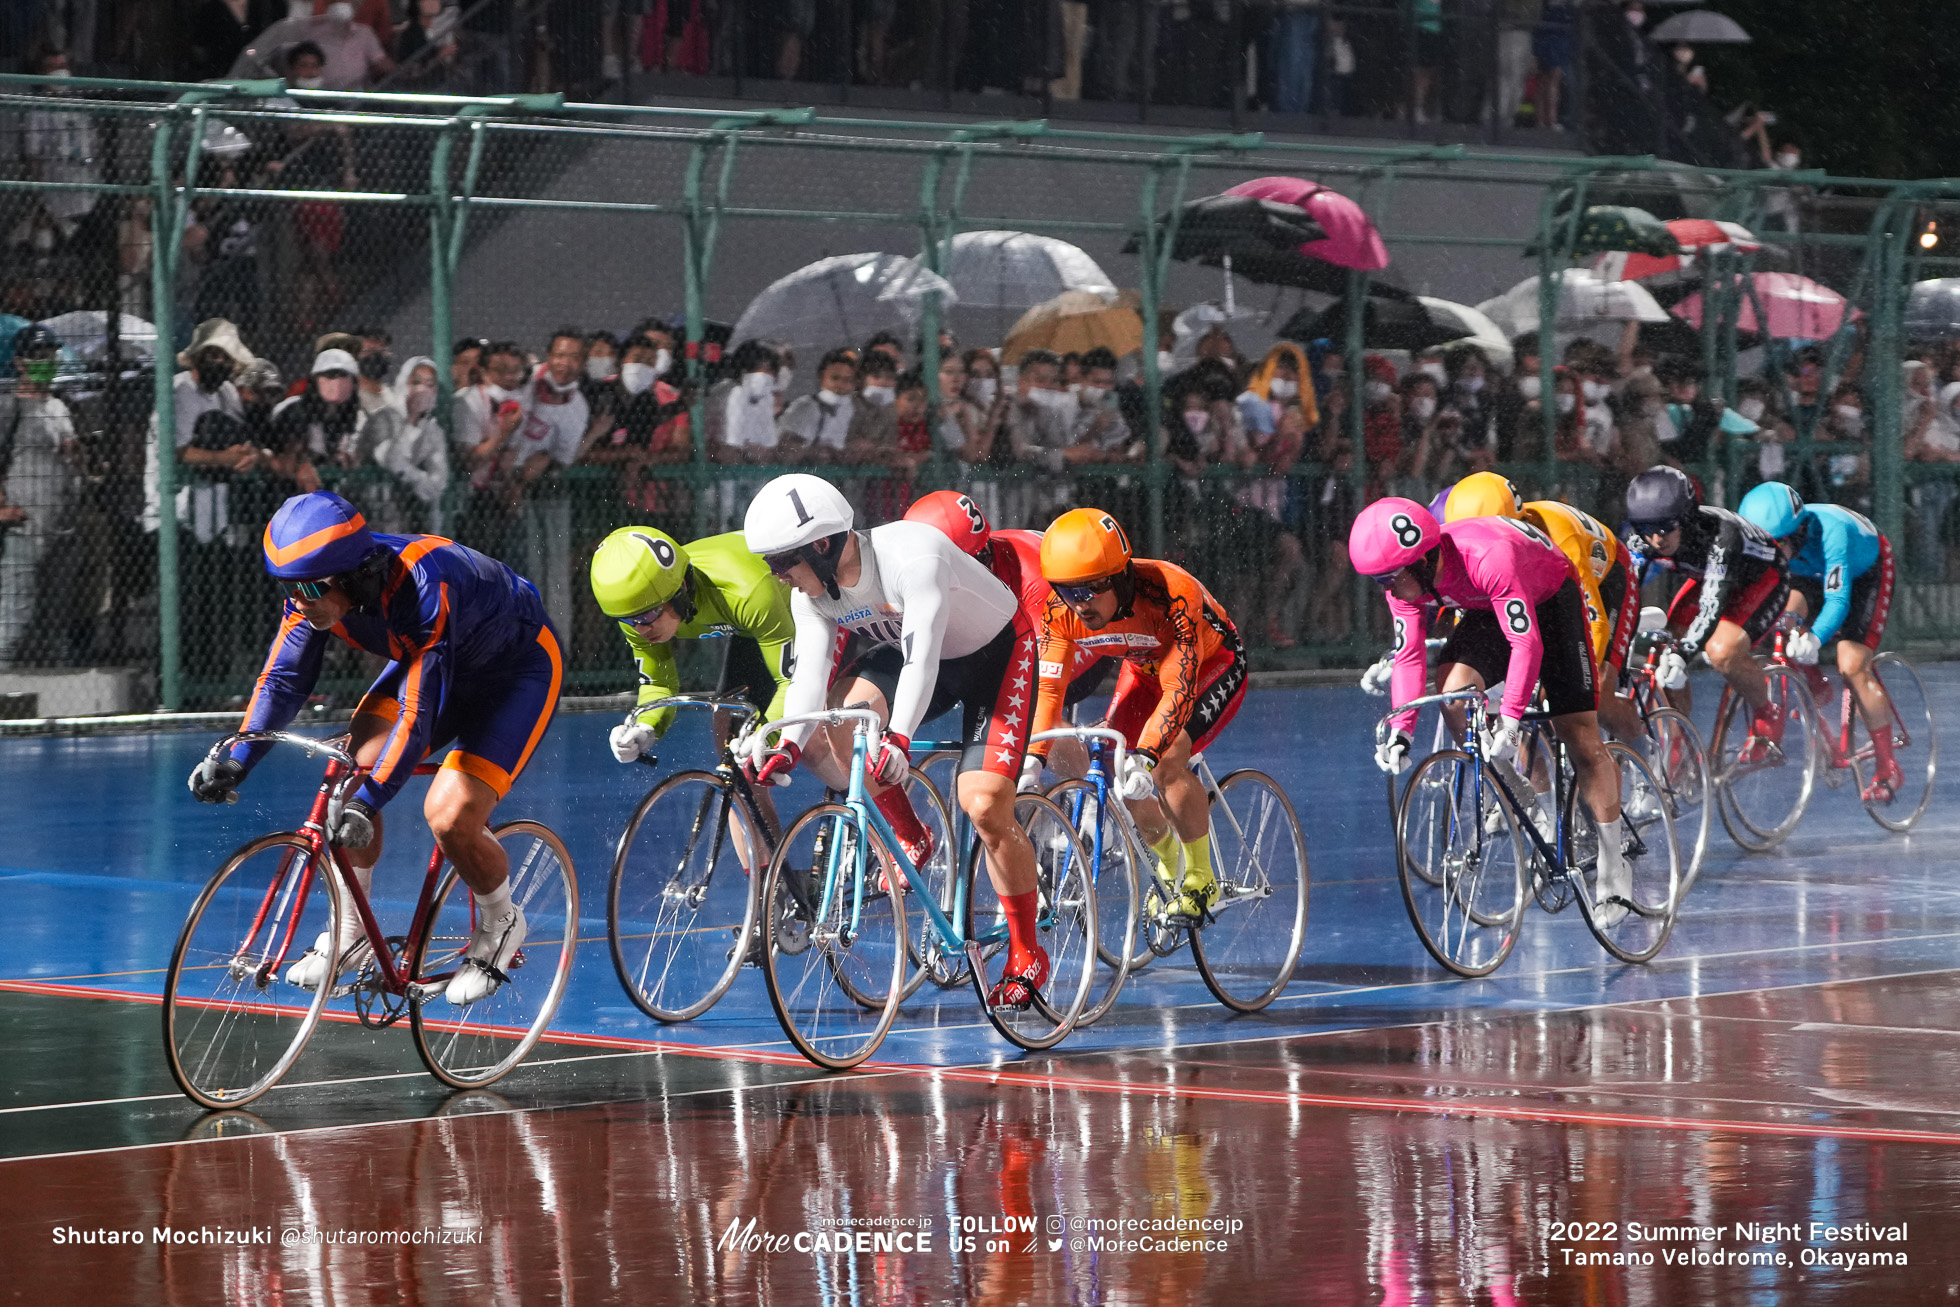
<point x="647" y="618"/>
<point x="1386" y="580"/>
<point x="1648" y="530"/>
<point x="781" y="564"/>
<point x="1078" y="595"/>
<point x="307" y="589"/>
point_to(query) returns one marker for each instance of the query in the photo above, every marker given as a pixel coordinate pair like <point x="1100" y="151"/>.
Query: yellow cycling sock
<point x="1197" y="863"/>
<point x="1165" y="847"/>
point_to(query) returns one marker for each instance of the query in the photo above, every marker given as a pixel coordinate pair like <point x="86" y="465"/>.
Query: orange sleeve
<point x="1177" y="673"/>
<point x="1057" y="657"/>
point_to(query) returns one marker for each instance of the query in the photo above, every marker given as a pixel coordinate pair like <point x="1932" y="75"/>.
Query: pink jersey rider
<point x="1499" y="564"/>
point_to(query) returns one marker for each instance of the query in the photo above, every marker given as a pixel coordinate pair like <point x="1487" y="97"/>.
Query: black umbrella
<point x="1387" y="322"/>
<point x="1262" y="238"/>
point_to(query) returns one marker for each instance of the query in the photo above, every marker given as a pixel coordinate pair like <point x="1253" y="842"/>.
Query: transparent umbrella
<point x="841" y="300"/>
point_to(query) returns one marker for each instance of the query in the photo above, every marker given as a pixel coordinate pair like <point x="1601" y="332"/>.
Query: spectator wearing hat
<point x="38" y="451"/>
<point x="324" y="421"/>
<point x="411" y="444"/>
<point x="214" y="356"/>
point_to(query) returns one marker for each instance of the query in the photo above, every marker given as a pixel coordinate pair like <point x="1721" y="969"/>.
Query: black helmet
<point x="35" y="339"/>
<point x="1660" y="499"/>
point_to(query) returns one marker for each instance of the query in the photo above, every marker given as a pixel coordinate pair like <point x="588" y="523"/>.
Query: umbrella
<point x="1583" y="300"/>
<point x="1017" y="270"/>
<point x="1608" y="227"/>
<point x="1263" y="240"/>
<point x="1351" y="240"/>
<point x="1472" y="327"/>
<point x="1696" y="236"/>
<point x="1798" y="308"/>
<point x="1075" y="322"/>
<point x="1667" y="191"/>
<point x="1932" y="310"/>
<point x="1701" y="27"/>
<point x="84" y="334"/>
<point x="1386" y="323"/>
<point x="10" y="327"/>
<point x="842" y="299"/>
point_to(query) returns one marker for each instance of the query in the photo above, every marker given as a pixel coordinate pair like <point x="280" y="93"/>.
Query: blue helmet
<point x="1773" y="506"/>
<point x="313" y="537"/>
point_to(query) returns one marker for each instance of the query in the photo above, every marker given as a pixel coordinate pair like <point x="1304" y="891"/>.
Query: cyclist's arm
<point x="1178" y="671"/>
<point x="922" y="588"/>
<point x="764" y="614"/>
<point x="1717" y="588"/>
<point x="660" y="678"/>
<point x="424" y="669"/>
<point x="1598" y="621"/>
<point x="1837" y="583"/>
<point x="291" y="667"/>
<point x="816" y="638"/>
<point x="1410" y="677"/>
<point x="1517" y="617"/>
<point x="1055" y="662"/>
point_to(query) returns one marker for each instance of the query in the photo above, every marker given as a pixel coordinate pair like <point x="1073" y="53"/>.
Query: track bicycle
<point x="1467" y="849"/>
<point x="838" y="950"/>
<point x="1674" y="748"/>
<point x="233" y="1025"/>
<point x="1248" y="947"/>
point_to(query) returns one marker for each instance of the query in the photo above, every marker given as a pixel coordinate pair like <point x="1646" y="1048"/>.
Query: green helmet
<point x="636" y="568"/>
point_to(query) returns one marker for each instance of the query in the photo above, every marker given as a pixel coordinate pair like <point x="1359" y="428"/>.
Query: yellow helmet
<point x="1481" y="494"/>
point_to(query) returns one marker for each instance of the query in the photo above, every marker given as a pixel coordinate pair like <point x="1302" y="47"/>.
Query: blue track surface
<point x="105" y="851"/>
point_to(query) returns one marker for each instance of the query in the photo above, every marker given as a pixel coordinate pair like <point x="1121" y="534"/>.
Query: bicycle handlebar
<point x="1454" y="696"/>
<point x="863" y="719"/>
<point x="741" y="707"/>
<point x="1114" y="737"/>
<point x="306" y="742"/>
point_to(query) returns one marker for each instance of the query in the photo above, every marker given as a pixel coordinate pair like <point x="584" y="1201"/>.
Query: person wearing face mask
<point x="1467" y="389"/>
<point x="816" y="427"/>
<point x="555" y="432"/>
<point x="601" y="367"/>
<point x="37" y="496"/>
<point x="647" y="429"/>
<point x="213" y="357"/>
<point x="1423" y="440"/>
<point x="1938" y="442"/>
<point x="412" y="445"/>
<point x="879" y="385"/>
<point x="1691" y="424"/>
<point x="1381" y="425"/>
<point x="1101" y="435"/>
<point x="1283" y="378"/>
<point x="746" y="405"/>
<point x="325" y="420"/>
<point x="377" y="367"/>
<point x="353" y="52"/>
<point x="1847" y="472"/>
<point x="980" y="409"/>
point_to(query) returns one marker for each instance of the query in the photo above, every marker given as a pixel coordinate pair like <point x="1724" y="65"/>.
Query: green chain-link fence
<point x="398" y="227"/>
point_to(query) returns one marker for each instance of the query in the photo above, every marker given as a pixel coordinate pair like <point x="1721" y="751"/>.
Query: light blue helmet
<point x="1773" y="506"/>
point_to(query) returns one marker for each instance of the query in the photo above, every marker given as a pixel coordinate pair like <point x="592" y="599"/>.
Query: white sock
<point x="1611" y="860"/>
<point x="1545" y="806"/>
<point x="351" y="931"/>
<point x="494" y="906"/>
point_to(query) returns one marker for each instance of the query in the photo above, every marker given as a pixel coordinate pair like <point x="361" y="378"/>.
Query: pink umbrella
<point x="1798" y="308"/>
<point x="1352" y="241"/>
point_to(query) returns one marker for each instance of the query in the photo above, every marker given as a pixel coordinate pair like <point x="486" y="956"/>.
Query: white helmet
<point x="792" y="511"/>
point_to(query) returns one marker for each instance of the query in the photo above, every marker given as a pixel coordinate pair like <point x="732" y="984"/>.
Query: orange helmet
<point x="1083" y="544"/>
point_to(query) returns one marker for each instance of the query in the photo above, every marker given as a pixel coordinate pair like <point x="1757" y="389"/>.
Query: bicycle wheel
<point x="1765" y="787"/>
<point x="1680" y="767"/>
<point x="1915" y="744"/>
<point x="232" y="1026"/>
<point x="835" y="940"/>
<point x="1550" y="767"/>
<point x="930" y="958"/>
<point x="1112" y="869"/>
<point x="1467" y="901"/>
<point x="1247" y="951"/>
<point x="1652" y="856"/>
<point x="480" y="1042"/>
<point x="1065" y="924"/>
<point x="681" y="905"/>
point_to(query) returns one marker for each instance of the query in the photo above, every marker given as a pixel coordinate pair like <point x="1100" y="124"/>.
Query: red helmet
<point x="956" y="515"/>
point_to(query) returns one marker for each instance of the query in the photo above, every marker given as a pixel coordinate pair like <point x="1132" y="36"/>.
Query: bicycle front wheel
<point x="1065" y="926"/>
<point x="681" y="905"/>
<point x="1765" y="784"/>
<point x="1915" y="745"/>
<point x="1112" y="871"/>
<point x="940" y="877"/>
<point x="232" y="1026"/>
<point x="1680" y="769"/>
<point x="478" y="1043"/>
<point x="1631" y="921"/>
<point x="1247" y="951"/>
<point x="835" y="940"/>
<point x="1462" y="864"/>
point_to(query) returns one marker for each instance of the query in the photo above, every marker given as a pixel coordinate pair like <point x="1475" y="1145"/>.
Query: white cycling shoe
<point x="311" y="968"/>
<point x="486" y="961"/>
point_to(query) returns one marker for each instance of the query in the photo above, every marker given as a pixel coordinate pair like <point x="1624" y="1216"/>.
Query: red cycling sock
<point x="1882" y="746"/>
<point x="1021" y="909"/>
<point x="904" y="821"/>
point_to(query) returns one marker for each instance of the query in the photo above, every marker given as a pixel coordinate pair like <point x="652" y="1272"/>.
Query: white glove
<point x="1136" y="782"/>
<point x="1030" y="782"/>
<point x="1393" y="757"/>
<point x="631" y="739"/>
<point x="1802" y="647"/>
<point x="1652" y="619"/>
<point x="890" y="759"/>
<point x="1672" y="671"/>
<point x="1375" y="679"/>
<point x="1503" y="741"/>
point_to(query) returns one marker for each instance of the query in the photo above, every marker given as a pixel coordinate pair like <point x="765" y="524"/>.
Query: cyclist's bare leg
<point x="988" y="801"/>
<point x="829" y="750"/>
<point x="1068" y="759"/>
<point x="458" y="810"/>
<point x="1454" y="677"/>
<point x="725" y="728"/>
<point x="1177" y="790"/>
<point x="1597" y="778"/>
<point x="1617" y="712"/>
<point x="1728" y="650"/>
<point x="1855" y="662"/>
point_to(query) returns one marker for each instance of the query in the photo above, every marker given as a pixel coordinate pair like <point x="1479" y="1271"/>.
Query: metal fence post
<point x="1883" y="380"/>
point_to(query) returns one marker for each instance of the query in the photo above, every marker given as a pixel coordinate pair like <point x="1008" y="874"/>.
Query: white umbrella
<point x="84" y="333"/>
<point x="1017" y="269"/>
<point x="841" y="300"/>
<point x="1583" y="300"/>
<point x="1478" y="329"/>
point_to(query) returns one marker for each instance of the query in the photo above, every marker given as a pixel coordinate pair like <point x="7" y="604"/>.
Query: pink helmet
<point x="1390" y="534"/>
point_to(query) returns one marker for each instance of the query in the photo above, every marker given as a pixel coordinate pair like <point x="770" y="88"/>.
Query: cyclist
<point x="1182" y="680"/>
<point x="1841" y="579"/>
<point x="932" y="629"/>
<point x="1521" y="621"/>
<point x="1600" y="563"/>
<point x="1737" y="587"/>
<point x="1378" y="674"/>
<point x="472" y="658"/>
<point x="1015" y="557"/>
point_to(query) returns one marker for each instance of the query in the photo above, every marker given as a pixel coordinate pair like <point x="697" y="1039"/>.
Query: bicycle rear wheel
<point x="1462" y="864"/>
<point x="1765" y="787"/>
<point x="1247" y="951"/>
<point x="1915" y="745"/>
<point x="480" y="1042"/>
<point x="681" y="906"/>
<point x="835" y="941"/>
<point x="232" y="1026"/>
<point x="1112" y="870"/>
<point x="1065" y="925"/>
<point x="1653" y="857"/>
<point x="1680" y="768"/>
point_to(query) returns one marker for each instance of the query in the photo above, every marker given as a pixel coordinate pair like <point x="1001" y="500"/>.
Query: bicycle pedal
<point x="420" y="994"/>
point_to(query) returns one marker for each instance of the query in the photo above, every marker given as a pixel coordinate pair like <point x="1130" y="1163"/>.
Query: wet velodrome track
<point x="1381" y="1134"/>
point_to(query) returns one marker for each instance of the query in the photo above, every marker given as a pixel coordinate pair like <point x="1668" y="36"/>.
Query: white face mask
<point x="1379" y="391"/>
<point x="1091" y="396"/>
<point x="1636" y="17"/>
<point x="341" y="12"/>
<point x="309" y="83"/>
<point x="1567" y="402"/>
<point x="1435" y="371"/>
<point x="421" y="397"/>
<point x="782" y="381"/>
<point x="636" y="377"/>
<point x="1787" y="160"/>
<point x="1281" y="388"/>
<point x="1848" y="414"/>
<point x="1052" y="399"/>
<point x="1751" y="409"/>
<point x="1423" y="407"/>
<point x="1529" y="386"/>
<point x="1470" y="385"/>
<point x="1074" y="388"/>
<point x="1166" y="361"/>
<point x="981" y="390"/>
<point x="662" y="360"/>
<point x="1596" y="391"/>
<point x="880" y="395"/>
<point x="497" y="394"/>
<point x="1196" y="420"/>
<point x="602" y="367"/>
<point x="758" y="386"/>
